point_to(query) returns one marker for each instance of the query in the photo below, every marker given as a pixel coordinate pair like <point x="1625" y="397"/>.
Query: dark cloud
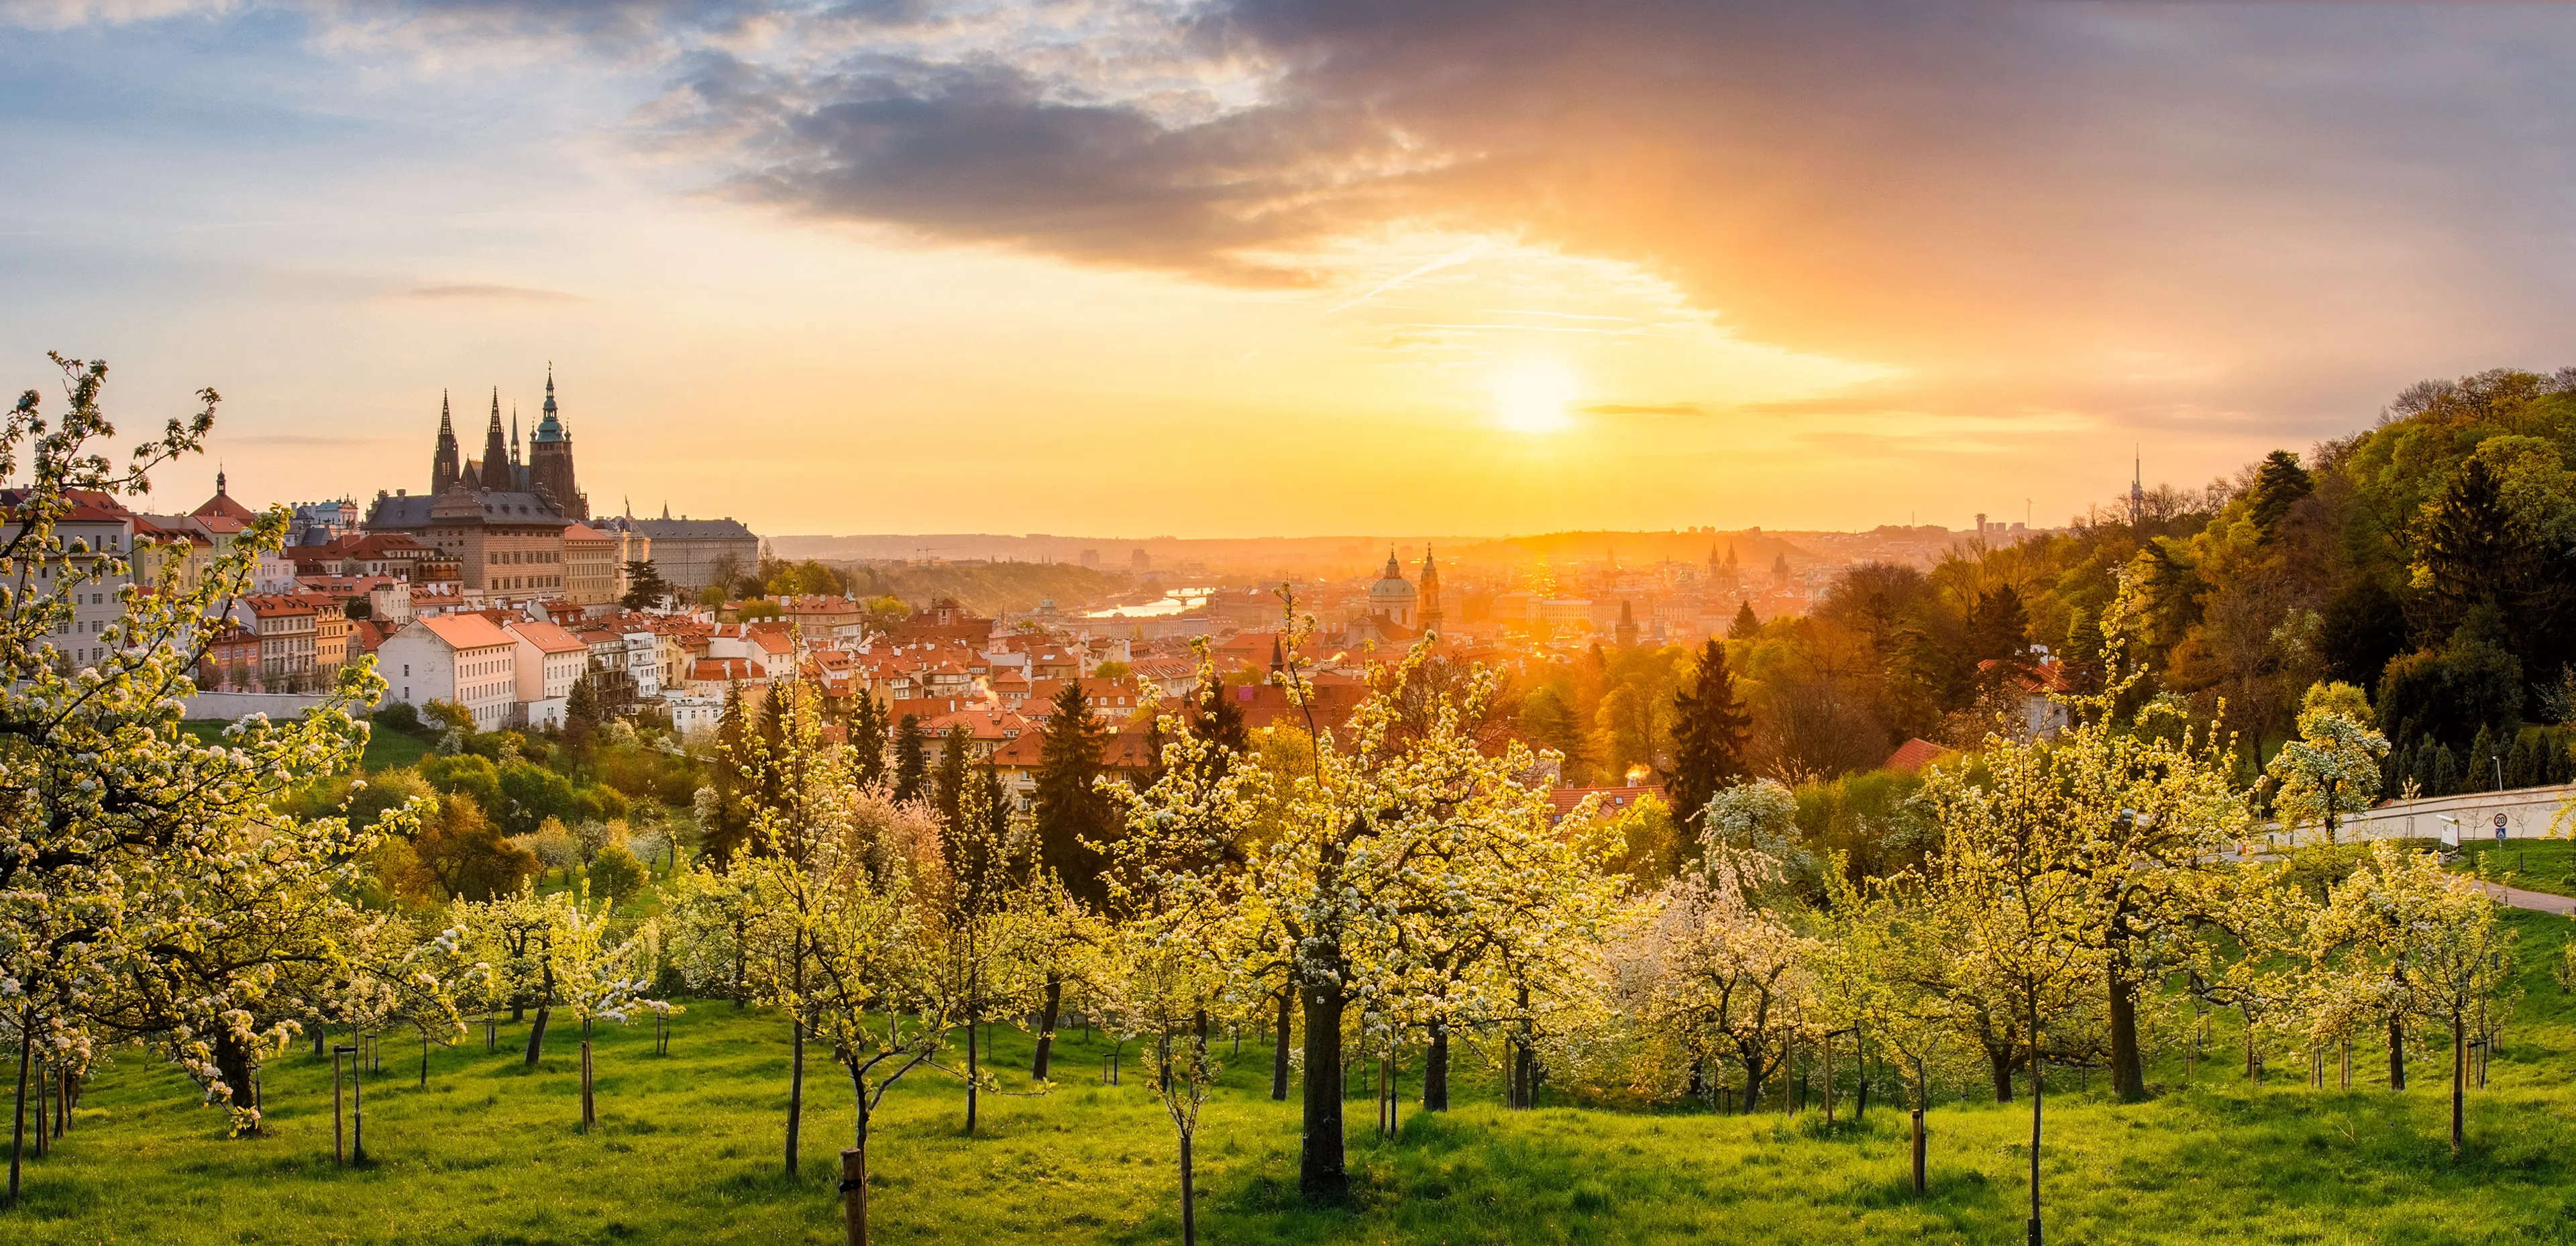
<point x="2162" y="200"/>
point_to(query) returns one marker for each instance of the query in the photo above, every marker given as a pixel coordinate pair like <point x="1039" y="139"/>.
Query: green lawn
<point x="387" y="749"/>
<point x="2531" y="864"/>
<point x="688" y="1150"/>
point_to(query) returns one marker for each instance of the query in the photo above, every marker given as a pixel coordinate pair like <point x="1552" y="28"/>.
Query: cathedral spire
<point x="446" y="463"/>
<point x="495" y="472"/>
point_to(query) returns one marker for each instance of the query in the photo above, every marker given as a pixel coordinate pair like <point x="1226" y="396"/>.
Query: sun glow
<point x="1532" y="396"/>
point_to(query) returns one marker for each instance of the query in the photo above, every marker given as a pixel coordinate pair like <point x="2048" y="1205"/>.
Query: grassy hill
<point x="688" y="1148"/>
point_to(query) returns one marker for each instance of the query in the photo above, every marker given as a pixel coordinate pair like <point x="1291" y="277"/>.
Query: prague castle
<point x="546" y="471"/>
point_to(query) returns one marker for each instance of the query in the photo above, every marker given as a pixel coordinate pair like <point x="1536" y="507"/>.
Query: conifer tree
<point x="1071" y="812"/>
<point x="1711" y="730"/>
<point x="868" y="740"/>
<point x="645" y="587"/>
<point x="910" y="767"/>
<point x="948" y="789"/>
<point x="1746" y="626"/>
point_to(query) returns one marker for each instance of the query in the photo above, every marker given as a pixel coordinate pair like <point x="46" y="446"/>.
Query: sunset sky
<point x="1269" y="267"/>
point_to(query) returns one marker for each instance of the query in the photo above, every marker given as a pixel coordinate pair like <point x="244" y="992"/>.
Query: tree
<point x="1708" y="975"/>
<point x="1710" y="733"/>
<point x="2279" y="484"/>
<point x="948" y="785"/>
<point x="838" y="938"/>
<point x="1072" y="815"/>
<point x="2016" y="889"/>
<point x="135" y="844"/>
<point x="615" y="874"/>
<point x="910" y="765"/>
<point x="645" y="588"/>
<point x="1746" y="626"/>
<point x="867" y="730"/>
<point x="597" y="977"/>
<point x="2333" y="768"/>
<point x="466" y="854"/>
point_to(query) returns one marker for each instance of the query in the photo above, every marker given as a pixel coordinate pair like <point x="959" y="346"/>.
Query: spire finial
<point x="443" y="425"/>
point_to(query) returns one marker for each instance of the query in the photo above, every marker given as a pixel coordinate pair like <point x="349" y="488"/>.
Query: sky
<point x="1282" y="267"/>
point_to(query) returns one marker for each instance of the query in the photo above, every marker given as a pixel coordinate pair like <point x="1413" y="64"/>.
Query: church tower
<point x="493" y="472"/>
<point x="444" y="468"/>
<point x="1432" y="615"/>
<point x="550" y="459"/>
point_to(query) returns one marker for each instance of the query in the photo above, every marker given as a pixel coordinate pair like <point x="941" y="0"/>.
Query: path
<point x="2536" y="901"/>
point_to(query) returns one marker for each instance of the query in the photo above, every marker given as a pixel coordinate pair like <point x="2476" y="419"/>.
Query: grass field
<point x="387" y="749"/>
<point x="688" y="1150"/>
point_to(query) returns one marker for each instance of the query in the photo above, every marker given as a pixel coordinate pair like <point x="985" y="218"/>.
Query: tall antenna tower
<point x="2138" y="484"/>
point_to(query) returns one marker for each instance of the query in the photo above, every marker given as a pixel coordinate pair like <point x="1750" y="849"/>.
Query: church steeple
<point x="446" y="466"/>
<point x="1432" y="615"/>
<point x="549" y="462"/>
<point x="495" y="472"/>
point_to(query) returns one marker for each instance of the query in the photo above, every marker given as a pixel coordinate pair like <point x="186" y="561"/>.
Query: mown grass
<point x="2532" y="864"/>
<point x="688" y="1151"/>
<point x="387" y="749"/>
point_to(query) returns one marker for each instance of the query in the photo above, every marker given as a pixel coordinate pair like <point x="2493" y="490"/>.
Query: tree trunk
<point x="2000" y="1063"/>
<point x="589" y="1112"/>
<point x="1320" y="1173"/>
<point x="2459" y="1082"/>
<point x="854" y="1167"/>
<point x="424" y="1059"/>
<point x="537" y="1036"/>
<point x="1753" y="1075"/>
<point x="1279" y="1047"/>
<point x="1046" y="1026"/>
<point x="1189" y="1199"/>
<point x="2396" y="1054"/>
<point x="1435" y="1069"/>
<point x="971" y="1087"/>
<point x="238" y="1065"/>
<point x="2128" y="1068"/>
<point x="795" y="1091"/>
<point x="2037" y="1091"/>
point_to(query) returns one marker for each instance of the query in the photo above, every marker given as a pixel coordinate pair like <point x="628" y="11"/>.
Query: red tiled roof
<point x="1913" y="755"/>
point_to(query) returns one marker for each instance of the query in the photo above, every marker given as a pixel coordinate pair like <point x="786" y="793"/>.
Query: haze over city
<point x="1241" y="269"/>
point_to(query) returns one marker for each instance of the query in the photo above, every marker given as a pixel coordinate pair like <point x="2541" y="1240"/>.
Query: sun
<point x="1532" y="396"/>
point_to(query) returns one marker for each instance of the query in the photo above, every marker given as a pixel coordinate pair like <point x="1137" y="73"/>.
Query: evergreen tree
<point x="1070" y="810"/>
<point x="1746" y="626"/>
<point x="1711" y="729"/>
<point x="581" y="715"/>
<point x="948" y="786"/>
<point x="1999" y="632"/>
<point x="911" y="768"/>
<point x="645" y="587"/>
<point x="732" y="773"/>
<point x="2279" y="484"/>
<point x="2482" y="762"/>
<point x="868" y="739"/>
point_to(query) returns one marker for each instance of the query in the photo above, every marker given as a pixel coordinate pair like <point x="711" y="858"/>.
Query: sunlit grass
<point x="688" y="1150"/>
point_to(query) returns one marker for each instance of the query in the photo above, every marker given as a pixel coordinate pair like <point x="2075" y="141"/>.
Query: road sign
<point x="2499" y="828"/>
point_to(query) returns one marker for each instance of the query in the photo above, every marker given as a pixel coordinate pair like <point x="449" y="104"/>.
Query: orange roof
<point x="466" y="631"/>
<point x="222" y="506"/>
<point x="547" y="637"/>
<point x="1913" y="755"/>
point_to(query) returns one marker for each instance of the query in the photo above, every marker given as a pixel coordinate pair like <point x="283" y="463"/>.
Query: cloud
<point x="488" y="291"/>
<point x="2165" y="201"/>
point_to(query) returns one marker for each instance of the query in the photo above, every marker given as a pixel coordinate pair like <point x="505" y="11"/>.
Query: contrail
<point x="1459" y="256"/>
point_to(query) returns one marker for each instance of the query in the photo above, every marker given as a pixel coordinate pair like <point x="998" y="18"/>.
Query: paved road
<point x="2536" y="901"/>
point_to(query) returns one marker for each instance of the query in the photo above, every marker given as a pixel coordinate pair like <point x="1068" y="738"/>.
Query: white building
<point x="644" y="663"/>
<point x="549" y="662"/>
<point x="465" y="658"/>
<point x="690" y="715"/>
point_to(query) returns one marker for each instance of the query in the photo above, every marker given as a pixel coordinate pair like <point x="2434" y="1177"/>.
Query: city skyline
<point x="1013" y="268"/>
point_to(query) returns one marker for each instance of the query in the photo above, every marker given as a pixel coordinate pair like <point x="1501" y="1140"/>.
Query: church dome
<point x="1392" y="593"/>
